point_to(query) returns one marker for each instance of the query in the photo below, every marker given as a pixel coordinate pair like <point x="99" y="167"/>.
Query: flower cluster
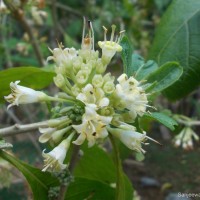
<point x="94" y="104"/>
<point x="185" y="138"/>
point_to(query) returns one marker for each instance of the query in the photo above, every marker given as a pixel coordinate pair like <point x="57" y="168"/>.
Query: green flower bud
<point x="59" y="80"/>
<point x="87" y="67"/>
<point x="100" y="67"/>
<point x="97" y="80"/>
<point x="77" y="64"/>
<point x="56" y="122"/>
<point x="109" y="87"/>
<point x="82" y="76"/>
<point x="108" y="77"/>
<point x="106" y="111"/>
<point x="58" y="135"/>
<point x="76" y="90"/>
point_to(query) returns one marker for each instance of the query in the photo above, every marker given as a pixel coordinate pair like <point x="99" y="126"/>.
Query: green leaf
<point x="127" y="51"/>
<point x="97" y="165"/>
<point x="163" y="119"/>
<point x="178" y="39"/>
<point x="162" y="5"/>
<point x="164" y="76"/>
<point x="146" y="69"/>
<point x="137" y="62"/>
<point x="39" y="181"/>
<point x="32" y="77"/>
<point x="83" y="188"/>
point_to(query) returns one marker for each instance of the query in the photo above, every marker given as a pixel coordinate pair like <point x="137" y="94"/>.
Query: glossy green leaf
<point x="35" y="78"/>
<point x="163" y="119"/>
<point x="178" y="39"/>
<point x="164" y="76"/>
<point x="39" y="181"/>
<point x="146" y="69"/>
<point x="127" y="51"/>
<point x="96" y="164"/>
<point x="137" y="62"/>
<point x="83" y="188"/>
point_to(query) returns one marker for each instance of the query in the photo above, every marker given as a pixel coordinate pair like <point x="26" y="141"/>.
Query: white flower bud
<point x="77" y="64"/>
<point x="82" y="77"/>
<point x="38" y="15"/>
<point x="86" y="67"/>
<point x="129" y="137"/>
<point x="177" y="143"/>
<point x="46" y="134"/>
<point x="100" y="67"/>
<point x="108" y="77"/>
<point x="56" y="122"/>
<point x="75" y="90"/>
<point x="185" y="138"/>
<point x="109" y="87"/>
<point x="58" y="135"/>
<point x="54" y="159"/>
<point x="59" y="80"/>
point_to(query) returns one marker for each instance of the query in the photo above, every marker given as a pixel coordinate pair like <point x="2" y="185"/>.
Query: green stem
<point x="49" y="98"/>
<point x="119" y="170"/>
<point x="67" y="90"/>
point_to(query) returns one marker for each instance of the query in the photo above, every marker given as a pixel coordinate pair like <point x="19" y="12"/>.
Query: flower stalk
<point x="119" y="171"/>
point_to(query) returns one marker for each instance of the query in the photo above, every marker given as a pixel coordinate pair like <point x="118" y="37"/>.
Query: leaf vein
<point x="176" y="31"/>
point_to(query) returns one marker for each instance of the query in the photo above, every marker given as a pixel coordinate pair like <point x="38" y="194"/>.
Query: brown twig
<point x="19" y="16"/>
<point x="31" y="137"/>
<point x="18" y="128"/>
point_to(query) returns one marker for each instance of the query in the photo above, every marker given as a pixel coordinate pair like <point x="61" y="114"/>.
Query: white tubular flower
<point x="129" y="137"/>
<point x="97" y="80"/>
<point x="132" y="95"/>
<point x="185" y="137"/>
<point x="23" y="95"/>
<point x="109" y="48"/>
<point x="53" y="160"/>
<point x="91" y="95"/>
<point x="93" y="126"/>
<point x="52" y="134"/>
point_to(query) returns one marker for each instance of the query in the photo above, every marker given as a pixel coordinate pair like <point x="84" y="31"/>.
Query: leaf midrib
<point x="176" y="31"/>
<point x="24" y="168"/>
